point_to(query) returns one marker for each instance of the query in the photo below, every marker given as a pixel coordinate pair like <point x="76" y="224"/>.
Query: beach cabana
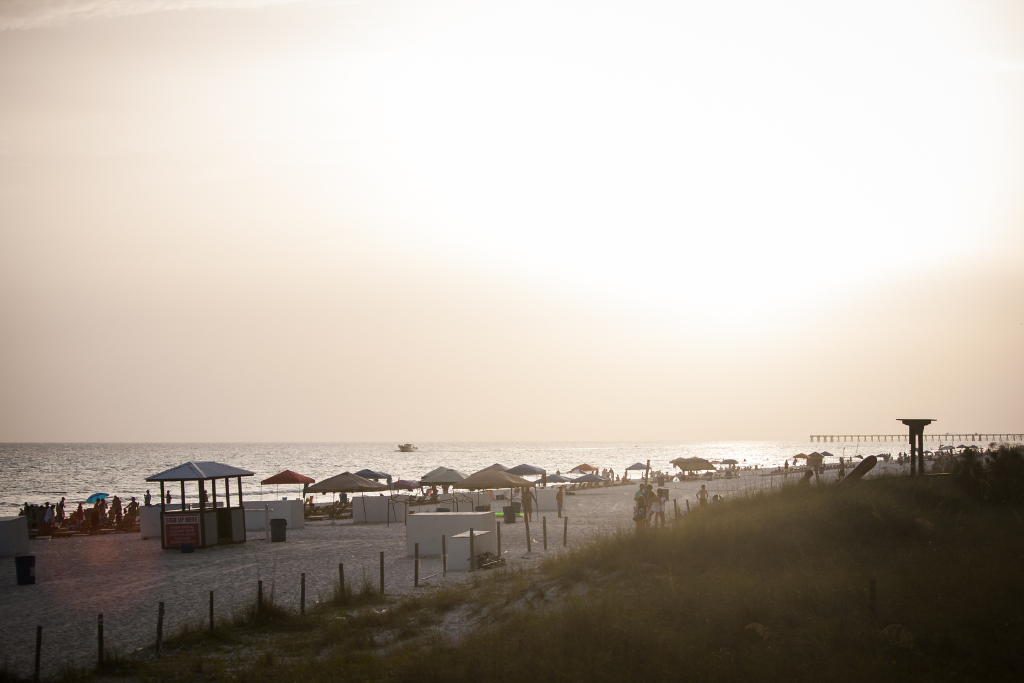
<point x="346" y="482"/>
<point x="525" y="470"/>
<point x="692" y="464"/>
<point x="637" y="466"/>
<point x="493" y="479"/>
<point x="210" y="523"/>
<point x="288" y="477"/>
<point x="442" y="476"/>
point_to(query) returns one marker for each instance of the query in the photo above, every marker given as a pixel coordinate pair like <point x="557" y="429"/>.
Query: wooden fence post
<point x="302" y="594"/>
<point x="99" y="639"/>
<point x="416" y="568"/>
<point x="39" y="649"/>
<point x="472" y="552"/>
<point x="159" y="629"/>
<point x="444" y="557"/>
<point x="211" y="612"/>
<point x="544" y="526"/>
<point x="499" y="538"/>
<point x="529" y="544"/>
<point x="565" y="532"/>
<point x="872" y="604"/>
<point x="382" y="572"/>
<point x="341" y="578"/>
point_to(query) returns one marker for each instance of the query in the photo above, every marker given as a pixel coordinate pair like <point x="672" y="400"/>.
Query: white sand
<point x="125" y="577"/>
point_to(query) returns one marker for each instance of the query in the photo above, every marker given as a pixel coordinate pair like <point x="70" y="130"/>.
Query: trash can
<point x="25" y="567"/>
<point x="277" y="530"/>
<point x="187" y="548"/>
<point x="443" y="510"/>
<point x="517" y="506"/>
<point x="482" y="508"/>
<point x="509" y="514"/>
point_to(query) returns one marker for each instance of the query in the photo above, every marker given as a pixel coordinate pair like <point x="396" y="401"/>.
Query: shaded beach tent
<point x="371" y="474"/>
<point x="637" y="466"/>
<point x="590" y="478"/>
<point x="692" y="464"/>
<point x="444" y="476"/>
<point x="798" y="456"/>
<point x="289" y="477"/>
<point x="493" y="479"/>
<point x="97" y="497"/>
<point x="496" y="466"/>
<point x="584" y="468"/>
<point x="346" y="482"/>
<point x="526" y="470"/>
<point x="558" y="479"/>
<point x="827" y="454"/>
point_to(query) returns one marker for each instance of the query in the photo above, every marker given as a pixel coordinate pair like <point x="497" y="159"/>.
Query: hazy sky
<point x="247" y="220"/>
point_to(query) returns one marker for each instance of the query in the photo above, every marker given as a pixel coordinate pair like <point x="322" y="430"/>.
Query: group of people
<point x="649" y="505"/>
<point x="46" y="518"/>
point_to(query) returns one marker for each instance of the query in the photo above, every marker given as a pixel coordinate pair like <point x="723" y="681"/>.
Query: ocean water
<point x="38" y="473"/>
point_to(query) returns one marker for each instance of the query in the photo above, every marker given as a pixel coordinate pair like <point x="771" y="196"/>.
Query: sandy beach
<point x="124" y="577"/>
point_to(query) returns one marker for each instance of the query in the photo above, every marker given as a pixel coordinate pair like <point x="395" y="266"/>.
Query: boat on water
<point x="407" y="447"/>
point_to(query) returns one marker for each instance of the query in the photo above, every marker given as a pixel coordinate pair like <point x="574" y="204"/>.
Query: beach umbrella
<point x="405" y="484"/>
<point x="692" y="464"/>
<point x="590" y="478"/>
<point x="730" y="461"/>
<point x="496" y="466"/>
<point x="526" y="470"/>
<point x="97" y="497"/>
<point x="827" y="454"/>
<point x="584" y="468"/>
<point x="558" y="479"/>
<point x="637" y="466"/>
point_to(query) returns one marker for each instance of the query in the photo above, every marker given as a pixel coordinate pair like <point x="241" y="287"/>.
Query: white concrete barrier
<point x="458" y="548"/>
<point x="379" y="509"/>
<point x="13" y="536"/>
<point x="290" y="510"/>
<point x="426" y="528"/>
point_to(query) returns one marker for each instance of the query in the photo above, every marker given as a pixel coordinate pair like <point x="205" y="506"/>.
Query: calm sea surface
<point x="44" y="472"/>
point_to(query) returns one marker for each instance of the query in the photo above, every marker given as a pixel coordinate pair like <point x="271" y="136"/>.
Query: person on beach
<point x="60" y="511"/>
<point x="528" y="503"/>
<point x="169" y="497"/>
<point x="148" y="498"/>
<point x="653" y="504"/>
<point x="639" y="492"/>
<point x="842" y="470"/>
<point x="640" y="509"/>
<point x="663" y="500"/>
<point x="560" y="498"/>
<point x="702" y="495"/>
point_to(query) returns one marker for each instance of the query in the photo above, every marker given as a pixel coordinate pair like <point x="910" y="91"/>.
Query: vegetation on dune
<point x="769" y="586"/>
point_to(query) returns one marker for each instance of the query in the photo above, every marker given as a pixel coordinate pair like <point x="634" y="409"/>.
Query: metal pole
<point x="416" y="568"/>
<point x="472" y="552"/>
<point x="99" y="639"/>
<point x="382" y="572"/>
<point x="544" y="526"/>
<point x="302" y="594"/>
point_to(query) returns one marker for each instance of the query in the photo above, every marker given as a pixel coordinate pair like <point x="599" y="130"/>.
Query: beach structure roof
<point x="827" y="454"/>
<point x="637" y="466"/>
<point x="288" y="477"/>
<point x="198" y="471"/>
<point x="590" y="478"/>
<point x="496" y="466"/>
<point x="492" y="479"/>
<point x="372" y="474"/>
<point x="526" y="470"/>
<point x="346" y="482"/>
<point x="584" y="468"/>
<point x="442" y="475"/>
<point x="558" y="479"/>
<point x="692" y="464"/>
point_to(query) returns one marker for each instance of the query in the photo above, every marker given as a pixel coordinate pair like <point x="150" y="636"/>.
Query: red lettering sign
<point x="181" y="529"/>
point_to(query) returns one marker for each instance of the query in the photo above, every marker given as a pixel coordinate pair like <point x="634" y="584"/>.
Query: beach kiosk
<point x="210" y="522"/>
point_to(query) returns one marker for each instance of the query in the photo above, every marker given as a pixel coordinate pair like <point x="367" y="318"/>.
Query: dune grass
<point x="773" y="586"/>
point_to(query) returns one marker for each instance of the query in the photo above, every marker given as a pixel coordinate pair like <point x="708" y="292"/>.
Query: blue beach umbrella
<point x="96" y="496"/>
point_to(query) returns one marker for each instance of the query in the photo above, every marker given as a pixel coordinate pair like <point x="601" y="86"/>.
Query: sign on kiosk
<point x="181" y="529"/>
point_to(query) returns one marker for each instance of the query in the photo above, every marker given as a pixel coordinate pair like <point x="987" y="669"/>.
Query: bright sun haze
<point x="342" y="221"/>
